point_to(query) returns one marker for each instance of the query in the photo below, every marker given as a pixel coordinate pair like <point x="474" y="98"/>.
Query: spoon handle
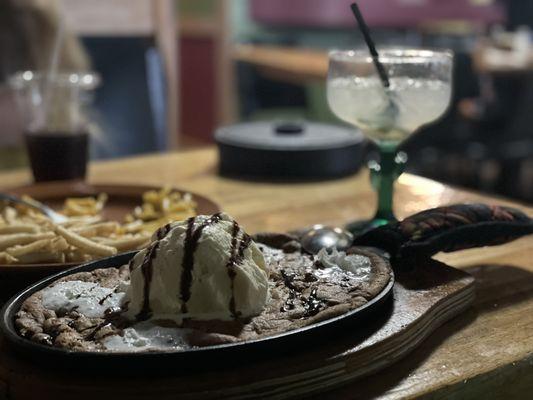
<point x="56" y="217"/>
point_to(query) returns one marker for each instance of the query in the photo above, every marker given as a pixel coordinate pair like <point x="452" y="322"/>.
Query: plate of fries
<point x="101" y="221"/>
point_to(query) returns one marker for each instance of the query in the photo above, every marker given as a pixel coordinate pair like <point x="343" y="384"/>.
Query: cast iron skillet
<point x="184" y="360"/>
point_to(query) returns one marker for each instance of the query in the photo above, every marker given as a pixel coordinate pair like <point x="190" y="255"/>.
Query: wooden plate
<point x="122" y="200"/>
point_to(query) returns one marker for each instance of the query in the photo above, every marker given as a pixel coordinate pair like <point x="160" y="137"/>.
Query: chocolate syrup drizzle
<point x="83" y="292"/>
<point x="147" y="269"/>
<point x="192" y="237"/>
<point x="236" y="256"/>
<point x="163" y="231"/>
<point x="91" y="336"/>
<point x="103" y="299"/>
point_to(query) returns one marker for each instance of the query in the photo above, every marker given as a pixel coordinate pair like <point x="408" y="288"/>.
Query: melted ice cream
<point x="90" y="299"/>
<point x="338" y="262"/>
<point x="146" y="336"/>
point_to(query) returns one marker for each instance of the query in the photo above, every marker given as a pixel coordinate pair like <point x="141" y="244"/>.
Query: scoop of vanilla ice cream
<point x="204" y="268"/>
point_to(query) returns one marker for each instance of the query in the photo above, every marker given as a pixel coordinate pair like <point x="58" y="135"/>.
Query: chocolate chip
<point x="42" y="338"/>
<point x="310" y="277"/>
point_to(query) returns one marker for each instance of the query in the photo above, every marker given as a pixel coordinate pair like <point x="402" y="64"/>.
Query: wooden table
<point x="286" y="64"/>
<point x="487" y="351"/>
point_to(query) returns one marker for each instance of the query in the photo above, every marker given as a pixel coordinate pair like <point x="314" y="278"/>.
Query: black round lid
<point x="288" y="136"/>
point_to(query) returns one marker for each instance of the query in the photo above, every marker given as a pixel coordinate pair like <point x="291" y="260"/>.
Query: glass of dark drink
<point x="54" y="112"/>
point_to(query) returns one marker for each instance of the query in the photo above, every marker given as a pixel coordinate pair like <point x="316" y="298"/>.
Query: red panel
<point x="197" y="87"/>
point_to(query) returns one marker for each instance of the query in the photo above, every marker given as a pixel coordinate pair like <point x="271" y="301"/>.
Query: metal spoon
<point x="320" y="237"/>
<point x="54" y="216"/>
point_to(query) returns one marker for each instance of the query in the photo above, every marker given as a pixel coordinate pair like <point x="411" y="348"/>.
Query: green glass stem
<point x="382" y="175"/>
<point x="385" y="183"/>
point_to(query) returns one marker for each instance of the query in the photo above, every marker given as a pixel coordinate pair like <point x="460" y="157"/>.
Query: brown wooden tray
<point x="122" y="200"/>
<point x="423" y="300"/>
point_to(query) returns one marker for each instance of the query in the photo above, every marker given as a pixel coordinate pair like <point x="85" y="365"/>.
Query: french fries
<point x="87" y="245"/>
<point x="126" y="242"/>
<point x="18" y="228"/>
<point x="28" y="237"/>
<point x="6" y="258"/>
<point x="84" y="206"/>
<point x="17" y="239"/>
<point x="20" y="250"/>
<point x="159" y="205"/>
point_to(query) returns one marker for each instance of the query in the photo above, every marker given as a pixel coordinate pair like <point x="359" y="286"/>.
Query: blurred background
<point x="172" y="71"/>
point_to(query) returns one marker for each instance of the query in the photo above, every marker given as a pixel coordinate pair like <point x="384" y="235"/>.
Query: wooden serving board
<point x="423" y="299"/>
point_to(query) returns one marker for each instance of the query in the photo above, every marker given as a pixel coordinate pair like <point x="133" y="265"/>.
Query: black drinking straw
<point x="370" y="44"/>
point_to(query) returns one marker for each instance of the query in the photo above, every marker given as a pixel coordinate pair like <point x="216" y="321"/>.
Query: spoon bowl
<point x="324" y="237"/>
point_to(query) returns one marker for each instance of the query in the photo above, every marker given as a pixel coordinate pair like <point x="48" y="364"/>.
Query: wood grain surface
<point x="487" y="351"/>
<point x="422" y="300"/>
